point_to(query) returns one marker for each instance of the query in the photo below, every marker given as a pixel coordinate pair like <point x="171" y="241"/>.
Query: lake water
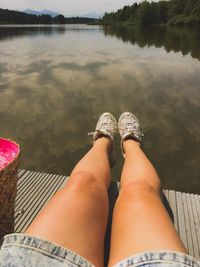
<point x="55" y="81"/>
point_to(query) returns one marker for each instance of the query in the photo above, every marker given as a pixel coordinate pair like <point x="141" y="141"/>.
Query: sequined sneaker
<point x="106" y="126"/>
<point x="128" y="127"/>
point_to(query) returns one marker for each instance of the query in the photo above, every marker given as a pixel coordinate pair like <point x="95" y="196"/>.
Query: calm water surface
<point x="56" y="81"/>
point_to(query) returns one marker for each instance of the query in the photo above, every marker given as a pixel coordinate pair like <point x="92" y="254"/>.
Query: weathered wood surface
<point x="36" y="189"/>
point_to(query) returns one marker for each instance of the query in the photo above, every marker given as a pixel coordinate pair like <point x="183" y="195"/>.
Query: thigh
<point x="141" y="223"/>
<point x="76" y="218"/>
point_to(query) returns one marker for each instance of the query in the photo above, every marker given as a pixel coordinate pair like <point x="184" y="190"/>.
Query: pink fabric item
<point x="8" y="152"/>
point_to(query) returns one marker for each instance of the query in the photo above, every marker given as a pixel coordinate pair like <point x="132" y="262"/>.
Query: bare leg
<point x="76" y="217"/>
<point x="140" y="221"/>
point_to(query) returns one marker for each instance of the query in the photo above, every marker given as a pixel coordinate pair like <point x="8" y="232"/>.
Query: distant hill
<point x="16" y="17"/>
<point x="92" y="15"/>
<point x="42" y="12"/>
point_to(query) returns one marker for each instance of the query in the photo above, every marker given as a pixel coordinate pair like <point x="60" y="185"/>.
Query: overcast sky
<point x="67" y="7"/>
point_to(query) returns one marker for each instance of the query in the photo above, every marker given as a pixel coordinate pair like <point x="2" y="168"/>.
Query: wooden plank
<point x="42" y="204"/>
<point x="187" y="225"/>
<point x="23" y="178"/>
<point x="56" y="185"/>
<point x="173" y="204"/>
<point x="197" y="205"/>
<point x="181" y="219"/>
<point x="30" y="194"/>
<point x="118" y="185"/>
<point x="33" y="182"/>
<point x="26" y="182"/>
<point x="36" y="184"/>
<point x="196" y="212"/>
<point x="20" y="173"/>
<point x="197" y="201"/>
<point x="36" y="195"/>
<point x="39" y="204"/>
<point x="191" y="216"/>
<point x="65" y="180"/>
<point x="166" y="193"/>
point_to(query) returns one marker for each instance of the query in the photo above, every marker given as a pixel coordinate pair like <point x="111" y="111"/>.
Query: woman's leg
<point x="140" y="221"/>
<point x="76" y="216"/>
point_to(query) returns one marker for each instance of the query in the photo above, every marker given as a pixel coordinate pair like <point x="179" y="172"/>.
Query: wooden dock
<point x="34" y="189"/>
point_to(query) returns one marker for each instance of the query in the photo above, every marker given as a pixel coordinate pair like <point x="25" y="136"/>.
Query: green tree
<point x="162" y="7"/>
<point x="173" y="12"/>
<point x="144" y="14"/>
<point x="192" y="7"/>
<point x="60" y="19"/>
<point x="45" y="19"/>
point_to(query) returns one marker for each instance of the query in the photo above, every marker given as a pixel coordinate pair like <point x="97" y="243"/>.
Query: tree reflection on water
<point x="178" y="39"/>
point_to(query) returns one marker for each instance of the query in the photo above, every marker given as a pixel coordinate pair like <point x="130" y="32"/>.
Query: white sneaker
<point x="106" y="126"/>
<point x="128" y="127"/>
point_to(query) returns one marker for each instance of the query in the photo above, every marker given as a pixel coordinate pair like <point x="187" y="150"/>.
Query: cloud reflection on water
<point x="53" y="89"/>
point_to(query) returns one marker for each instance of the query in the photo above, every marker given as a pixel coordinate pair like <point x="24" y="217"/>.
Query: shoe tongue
<point x="8" y="152"/>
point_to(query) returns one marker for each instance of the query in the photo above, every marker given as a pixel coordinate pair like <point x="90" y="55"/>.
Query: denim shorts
<point x="28" y="251"/>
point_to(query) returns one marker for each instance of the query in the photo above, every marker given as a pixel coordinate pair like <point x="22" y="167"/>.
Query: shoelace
<point x="132" y="129"/>
<point x="103" y="127"/>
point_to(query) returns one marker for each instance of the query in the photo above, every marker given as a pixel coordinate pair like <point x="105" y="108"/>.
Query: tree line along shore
<point x="172" y="12"/>
<point x="16" y="17"/>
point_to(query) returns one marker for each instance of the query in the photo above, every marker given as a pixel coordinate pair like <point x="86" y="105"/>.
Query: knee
<point x="85" y="181"/>
<point x="137" y="192"/>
